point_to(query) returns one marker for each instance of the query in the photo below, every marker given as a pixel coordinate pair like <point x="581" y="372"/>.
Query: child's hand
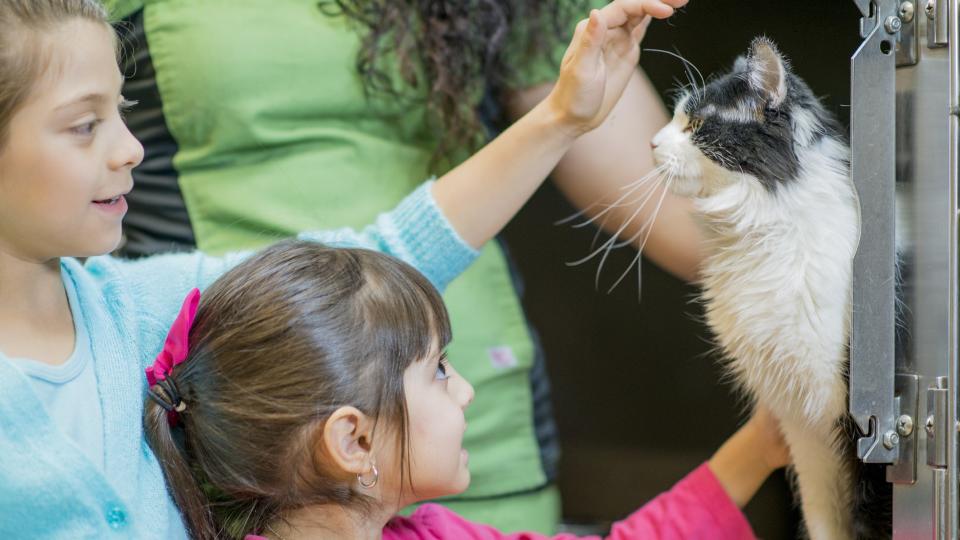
<point x="600" y="60"/>
<point x="748" y="457"/>
<point x="776" y="453"/>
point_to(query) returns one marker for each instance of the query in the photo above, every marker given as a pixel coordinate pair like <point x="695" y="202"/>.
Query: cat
<point x="768" y="169"/>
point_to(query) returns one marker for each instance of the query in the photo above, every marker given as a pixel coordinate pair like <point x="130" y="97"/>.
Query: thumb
<point x="574" y="42"/>
<point x="640" y="30"/>
<point x="590" y="46"/>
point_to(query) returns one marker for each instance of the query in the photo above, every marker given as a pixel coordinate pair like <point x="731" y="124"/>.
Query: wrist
<point x="740" y="465"/>
<point x="559" y="118"/>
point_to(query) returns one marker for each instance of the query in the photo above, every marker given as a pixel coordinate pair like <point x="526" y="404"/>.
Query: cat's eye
<point x="693" y="125"/>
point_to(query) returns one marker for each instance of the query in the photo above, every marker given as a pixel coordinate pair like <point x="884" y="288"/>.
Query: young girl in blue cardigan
<point x="75" y="336"/>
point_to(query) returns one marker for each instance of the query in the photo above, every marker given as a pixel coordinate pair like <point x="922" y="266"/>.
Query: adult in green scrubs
<point x="262" y="118"/>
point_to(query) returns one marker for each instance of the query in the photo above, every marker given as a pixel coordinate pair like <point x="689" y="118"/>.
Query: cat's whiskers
<point x="644" y="196"/>
<point x="687" y="65"/>
<point x="612" y="243"/>
<point x="630" y="188"/>
<point x="648" y="226"/>
<point x="650" y="184"/>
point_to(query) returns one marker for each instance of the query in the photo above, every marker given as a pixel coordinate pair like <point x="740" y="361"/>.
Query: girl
<point x="75" y="336"/>
<point x="306" y="405"/>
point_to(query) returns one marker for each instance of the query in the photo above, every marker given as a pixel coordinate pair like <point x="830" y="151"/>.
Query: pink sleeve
<point x="696" y="508"/>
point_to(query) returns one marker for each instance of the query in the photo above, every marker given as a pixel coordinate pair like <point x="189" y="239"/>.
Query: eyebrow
<point x="89" y="98"/>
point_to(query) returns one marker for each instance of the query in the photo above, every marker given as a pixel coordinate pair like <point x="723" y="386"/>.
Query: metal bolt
<point x="905" y="425"/>
<point x="906" y="11"/>
<point x="930" y="425"/>
<point x="930" y="9"/>
<point x="890" y="439"/>
<point x="893" y="24"/>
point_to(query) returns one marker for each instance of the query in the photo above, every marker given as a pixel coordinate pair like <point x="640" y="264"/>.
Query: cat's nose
<point x="653" y="145"/>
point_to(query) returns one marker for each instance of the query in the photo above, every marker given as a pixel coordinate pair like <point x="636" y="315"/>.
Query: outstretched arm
<point x="594" y="173"/>
<point x="482" y="194"/>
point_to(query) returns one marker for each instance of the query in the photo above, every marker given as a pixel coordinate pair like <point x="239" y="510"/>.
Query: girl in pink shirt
<point x="304" y="404"/>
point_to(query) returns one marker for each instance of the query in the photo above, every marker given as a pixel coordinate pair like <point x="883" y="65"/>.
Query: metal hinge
<point x="905" y="23"/>
<point x="936" y="425"/>
<point x="906" y="405"/>
<point x="937" y="22"/>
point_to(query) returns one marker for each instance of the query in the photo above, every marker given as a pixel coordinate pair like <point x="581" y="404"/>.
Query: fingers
<point x="619" y="12"/>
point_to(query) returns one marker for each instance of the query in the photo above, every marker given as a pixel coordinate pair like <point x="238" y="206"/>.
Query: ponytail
<point x="167" y="444"/>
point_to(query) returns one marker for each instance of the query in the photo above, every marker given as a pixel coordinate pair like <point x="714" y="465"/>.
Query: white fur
<point x="776" y="285"/>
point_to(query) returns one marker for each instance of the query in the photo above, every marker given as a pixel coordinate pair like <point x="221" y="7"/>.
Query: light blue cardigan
<point x="48" y="489"/>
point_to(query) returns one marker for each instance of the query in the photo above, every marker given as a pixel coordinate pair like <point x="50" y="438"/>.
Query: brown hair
<point x="21" y="58"/>
<point x="448" y="52"/>
<point x="278" y="344"/>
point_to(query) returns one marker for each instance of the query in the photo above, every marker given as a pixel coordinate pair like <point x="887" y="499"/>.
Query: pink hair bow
<point x="176" y="346"/>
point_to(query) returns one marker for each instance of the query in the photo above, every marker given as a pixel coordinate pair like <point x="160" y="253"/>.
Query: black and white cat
<point x="768" y="169"/>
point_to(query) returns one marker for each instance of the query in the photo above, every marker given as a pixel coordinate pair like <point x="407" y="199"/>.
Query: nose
<point x="129" y="151"/>
<point x="653" y="144"/>
<point x="465" y="393"/>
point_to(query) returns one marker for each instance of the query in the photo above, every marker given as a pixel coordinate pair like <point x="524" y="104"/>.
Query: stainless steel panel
<point x="872" y="128"/>
<point x="926" y="216"/>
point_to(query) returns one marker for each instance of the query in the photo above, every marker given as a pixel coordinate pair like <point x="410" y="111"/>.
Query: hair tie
<point x="175" y="350"/>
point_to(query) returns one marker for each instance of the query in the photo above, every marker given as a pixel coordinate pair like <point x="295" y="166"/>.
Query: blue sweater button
<point x="116" y="518"/>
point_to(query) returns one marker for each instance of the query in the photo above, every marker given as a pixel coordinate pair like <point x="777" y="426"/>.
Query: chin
<point x="102" y="245"/>
<point x="462" y="485"/>
<point x="686" y="186"/>
<point x="461" y="482"/>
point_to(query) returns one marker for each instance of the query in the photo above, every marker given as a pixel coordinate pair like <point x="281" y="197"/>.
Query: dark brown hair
<point x="278" y="344"/>
<point x="21" y="51"/>
<point x="451" y="51"/>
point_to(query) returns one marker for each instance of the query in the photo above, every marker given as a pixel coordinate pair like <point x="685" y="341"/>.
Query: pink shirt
<point x="696" y="508"/>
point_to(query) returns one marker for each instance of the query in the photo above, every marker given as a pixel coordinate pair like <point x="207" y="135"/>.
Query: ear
<point x="740" y="65"/>
<point x="767" y="70"/>
<point x="348" y="439"/>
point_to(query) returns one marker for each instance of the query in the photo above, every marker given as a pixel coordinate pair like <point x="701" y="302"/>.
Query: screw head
<point x="929" y="425"/>
<point x="890" y="439"/>
<point x="893" y="24"/>
<point x="906" y="11"/>
<point x="905" y="425"/>
<point x="930" y="9"/>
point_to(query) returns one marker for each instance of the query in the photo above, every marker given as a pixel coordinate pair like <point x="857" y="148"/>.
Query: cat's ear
<point x="740" y="65"/>
<point x="767" y="70"/>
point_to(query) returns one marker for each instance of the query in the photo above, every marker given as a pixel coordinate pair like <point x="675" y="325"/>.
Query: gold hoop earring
<point x="370" y="484"/>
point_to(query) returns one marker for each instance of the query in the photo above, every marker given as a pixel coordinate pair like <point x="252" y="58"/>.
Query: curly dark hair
<point x="460" y="48"/>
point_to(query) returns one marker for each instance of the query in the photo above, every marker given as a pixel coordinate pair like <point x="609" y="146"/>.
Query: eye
<point x="693" y="125"/>
<point x="87" y="129"/>
<point x="442" y="366"/>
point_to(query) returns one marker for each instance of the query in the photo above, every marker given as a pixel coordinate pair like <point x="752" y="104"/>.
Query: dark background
<point x="639" y="399"/>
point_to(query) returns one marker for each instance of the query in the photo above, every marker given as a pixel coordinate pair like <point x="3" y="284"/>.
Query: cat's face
<point x="749" y="126"/>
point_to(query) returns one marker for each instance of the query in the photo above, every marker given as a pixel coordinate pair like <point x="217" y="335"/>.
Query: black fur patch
<point x="740" y="129"/>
